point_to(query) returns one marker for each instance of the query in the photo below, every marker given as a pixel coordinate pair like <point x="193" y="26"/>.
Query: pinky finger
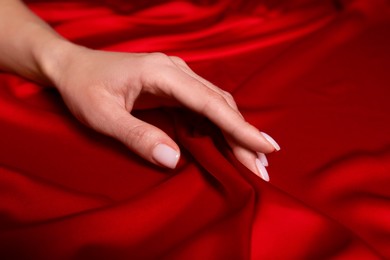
<point x="255" y="162"/>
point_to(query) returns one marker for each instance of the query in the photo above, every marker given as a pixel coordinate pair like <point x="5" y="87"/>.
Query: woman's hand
<point x="101" y="88"/>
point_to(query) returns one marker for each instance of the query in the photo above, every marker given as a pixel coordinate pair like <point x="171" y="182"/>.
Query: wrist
<point x="52" y="59"/>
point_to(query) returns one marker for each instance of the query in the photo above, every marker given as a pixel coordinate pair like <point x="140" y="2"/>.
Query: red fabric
<point x="313" y="74"/>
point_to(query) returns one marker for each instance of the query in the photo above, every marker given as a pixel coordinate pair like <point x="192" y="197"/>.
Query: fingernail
<point x="263" y="159"/>
<point x="165" y="155"/>
<point x="271" y="140"/>
<point x="263" y="172"/>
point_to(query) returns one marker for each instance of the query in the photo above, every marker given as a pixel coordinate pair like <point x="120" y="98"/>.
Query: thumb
<point x="142" y="138"/>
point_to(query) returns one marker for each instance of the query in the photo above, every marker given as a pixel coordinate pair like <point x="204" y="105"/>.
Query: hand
<point x="100" y="88"/>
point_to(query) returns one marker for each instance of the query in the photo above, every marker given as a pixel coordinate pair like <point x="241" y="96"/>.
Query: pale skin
<point x="101" y="89"/>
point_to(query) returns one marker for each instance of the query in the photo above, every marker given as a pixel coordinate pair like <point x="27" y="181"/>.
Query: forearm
<point x="28" y="46"/>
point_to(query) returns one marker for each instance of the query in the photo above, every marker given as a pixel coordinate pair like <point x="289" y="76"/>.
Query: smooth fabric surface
<point x="313" y="74"/>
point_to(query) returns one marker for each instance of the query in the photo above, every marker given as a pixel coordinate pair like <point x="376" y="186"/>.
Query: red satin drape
<point x="314" y="74"/>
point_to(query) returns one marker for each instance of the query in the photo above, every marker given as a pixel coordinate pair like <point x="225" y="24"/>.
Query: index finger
<point x="195" y="95"/>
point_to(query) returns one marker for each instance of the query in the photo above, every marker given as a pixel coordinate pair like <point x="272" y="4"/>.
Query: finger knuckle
<point x="137" y="135"/>
<point x="177" y="60"/>
<point x="158" y="57"/>
<point x="227" y="95"/>
<point x="155" y="69"/>
<point x="237" y="130"/>
<point x="213" y="103"/>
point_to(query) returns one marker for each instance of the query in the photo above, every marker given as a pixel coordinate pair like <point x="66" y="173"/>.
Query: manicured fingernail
<point x="262" y="171"/>
<point x="165" y="155"/>
<point x="262" y="158"/>
<point x="271" y="140"/>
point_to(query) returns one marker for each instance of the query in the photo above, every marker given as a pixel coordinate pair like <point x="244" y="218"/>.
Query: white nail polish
<point x="263" y="172"/>
<point x="271" y="140"/>
<point x="165" y="155"/>
<point x="262" y="158"/>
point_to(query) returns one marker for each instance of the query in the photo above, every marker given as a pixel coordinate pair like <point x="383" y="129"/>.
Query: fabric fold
<point x="311" y="73"/>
